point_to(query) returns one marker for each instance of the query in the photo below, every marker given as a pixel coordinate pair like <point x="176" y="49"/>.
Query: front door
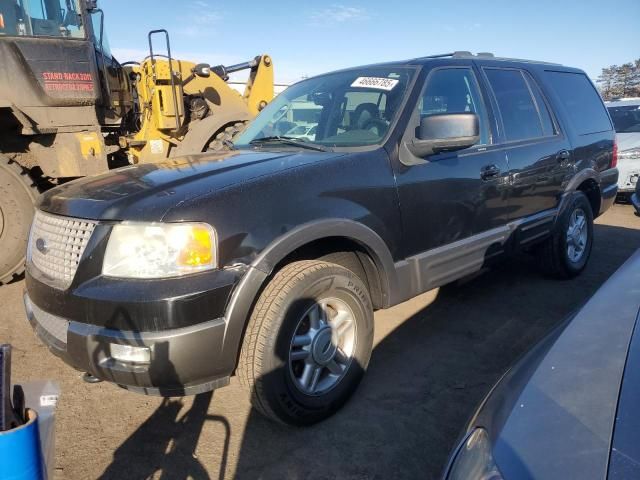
<point x="451" y="196"/>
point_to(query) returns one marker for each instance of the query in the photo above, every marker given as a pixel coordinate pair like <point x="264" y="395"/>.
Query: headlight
<point x="159" y="250"/>
<point x="632" y="153"/>
<point x="474" y="460"/>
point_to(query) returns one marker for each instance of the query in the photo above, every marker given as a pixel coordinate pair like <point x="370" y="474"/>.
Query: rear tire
<point x="17" y="195"/>
<point x="566" y="253"/>
<point x="288" y="336"/>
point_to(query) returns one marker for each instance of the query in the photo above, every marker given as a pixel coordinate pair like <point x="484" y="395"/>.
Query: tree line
<point x="619" y="81"/>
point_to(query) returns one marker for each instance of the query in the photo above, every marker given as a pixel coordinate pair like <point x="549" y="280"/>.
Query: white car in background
<point x="305" y="132"/>
<point x="625" y="114"/>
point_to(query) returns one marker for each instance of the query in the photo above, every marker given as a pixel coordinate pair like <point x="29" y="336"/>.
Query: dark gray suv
<point x="268" y="261"/>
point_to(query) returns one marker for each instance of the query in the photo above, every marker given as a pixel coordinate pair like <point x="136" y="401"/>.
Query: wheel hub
<point x="323" y="349"/>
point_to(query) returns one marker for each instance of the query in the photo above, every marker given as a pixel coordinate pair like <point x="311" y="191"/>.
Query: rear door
<point x="585" y="116"/>
<point x="537" y="151"/>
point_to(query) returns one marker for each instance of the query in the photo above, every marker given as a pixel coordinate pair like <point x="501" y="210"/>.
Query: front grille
<point x="56" y="245"/>
<point x="55" y="326"/>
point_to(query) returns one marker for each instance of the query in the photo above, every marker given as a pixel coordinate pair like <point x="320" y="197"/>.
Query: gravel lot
<point x="435" y="358"/>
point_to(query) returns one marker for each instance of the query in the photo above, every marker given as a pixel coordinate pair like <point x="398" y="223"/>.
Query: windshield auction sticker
<point x="375" y="82"/>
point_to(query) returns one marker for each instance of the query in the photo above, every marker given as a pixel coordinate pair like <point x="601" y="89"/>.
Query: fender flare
<point x="202" y="131"/>
<point x="607" y="187"/>
<point x="581" y="176"/>
<point x="326" y="228"/>
<point x="246" y="292"/>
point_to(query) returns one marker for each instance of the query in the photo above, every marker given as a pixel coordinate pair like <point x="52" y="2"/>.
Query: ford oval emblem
<point x="41" y="245"/>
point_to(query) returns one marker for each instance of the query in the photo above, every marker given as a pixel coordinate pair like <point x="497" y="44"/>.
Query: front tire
<point x="566" y="253"/>
<point x="17" y="195"/>
<point x="308" y="342"/>
<point x="223" y="139"/>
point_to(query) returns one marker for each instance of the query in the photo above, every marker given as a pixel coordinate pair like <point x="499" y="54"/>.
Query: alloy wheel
<point x="577" y="235"/>
<point x="322" y="346"/>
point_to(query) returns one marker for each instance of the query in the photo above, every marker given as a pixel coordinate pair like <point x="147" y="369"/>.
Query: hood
<point x="627" y="141"/>
<point x="146" y="192"/>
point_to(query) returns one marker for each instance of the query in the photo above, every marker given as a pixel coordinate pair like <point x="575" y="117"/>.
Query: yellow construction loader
<point x="183" y="108"/>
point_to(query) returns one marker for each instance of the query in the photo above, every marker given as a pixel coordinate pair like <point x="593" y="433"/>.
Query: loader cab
<point x="66" y="50"/>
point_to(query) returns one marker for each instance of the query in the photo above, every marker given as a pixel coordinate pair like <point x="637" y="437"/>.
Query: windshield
<point x="344" y="109"/>
<point x="41" y="18"/>
<point x="626" y="119"/>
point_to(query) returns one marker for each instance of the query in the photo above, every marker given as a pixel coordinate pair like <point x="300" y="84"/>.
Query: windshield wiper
<point x="289" y="141"/>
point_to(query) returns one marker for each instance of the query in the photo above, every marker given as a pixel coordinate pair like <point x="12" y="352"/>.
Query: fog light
<point x="129" y="353"/>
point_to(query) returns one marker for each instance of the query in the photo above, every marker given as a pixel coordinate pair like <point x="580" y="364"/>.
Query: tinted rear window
<point x="581" y="100"/>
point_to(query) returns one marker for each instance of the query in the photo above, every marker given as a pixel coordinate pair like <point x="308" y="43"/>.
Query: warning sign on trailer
<point x="375" y="82"/>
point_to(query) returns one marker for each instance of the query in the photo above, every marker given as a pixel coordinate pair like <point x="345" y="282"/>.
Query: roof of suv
<point x="484" y="57"/>
<point x="477" y="56"/>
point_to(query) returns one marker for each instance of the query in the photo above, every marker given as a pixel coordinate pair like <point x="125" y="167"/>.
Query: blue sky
<point x="308" y="38"/>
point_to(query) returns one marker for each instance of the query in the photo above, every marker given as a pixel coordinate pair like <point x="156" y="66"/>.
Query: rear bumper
<point x="183" y="361"/>
<point x="608" y="189"/>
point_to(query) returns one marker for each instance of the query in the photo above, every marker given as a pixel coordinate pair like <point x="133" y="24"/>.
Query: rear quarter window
<point x="581" y="101"/>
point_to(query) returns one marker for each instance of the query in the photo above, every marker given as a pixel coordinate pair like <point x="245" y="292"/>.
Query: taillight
<point x="614" y="157"/>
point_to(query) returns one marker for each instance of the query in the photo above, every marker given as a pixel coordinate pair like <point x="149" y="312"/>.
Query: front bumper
<point x="193" y="327"/>
<point x="184" y="361"/>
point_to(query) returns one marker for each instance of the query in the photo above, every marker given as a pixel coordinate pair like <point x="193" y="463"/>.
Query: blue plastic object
<point x="20" y="456"/>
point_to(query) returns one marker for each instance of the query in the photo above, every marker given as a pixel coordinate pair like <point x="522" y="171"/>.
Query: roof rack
<point x="461" y="54"/>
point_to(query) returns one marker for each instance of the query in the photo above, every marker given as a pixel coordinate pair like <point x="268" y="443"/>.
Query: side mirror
<point x="91" y="5"/>
<point x="202" y="70"/>
<point x="445" y="133"/>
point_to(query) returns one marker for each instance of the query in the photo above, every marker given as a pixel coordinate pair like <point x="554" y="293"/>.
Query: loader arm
<point x="259" y="89"/>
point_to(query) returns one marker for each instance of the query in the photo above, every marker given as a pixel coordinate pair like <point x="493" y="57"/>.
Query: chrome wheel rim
<point x="322" y="346"/>
<point x="577" y="235"/>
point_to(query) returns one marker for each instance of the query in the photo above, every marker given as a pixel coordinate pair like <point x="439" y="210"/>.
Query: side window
<point x="455" y="90"/>
<point x="581" y="101"/>
<point x="543" y="110"/>
<point x="518" y="110"/>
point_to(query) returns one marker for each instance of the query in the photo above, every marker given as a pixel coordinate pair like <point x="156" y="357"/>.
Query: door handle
<point x="489" y="171"/>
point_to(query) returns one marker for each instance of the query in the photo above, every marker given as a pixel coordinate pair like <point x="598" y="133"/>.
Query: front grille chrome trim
<point x="56" y="245"/>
